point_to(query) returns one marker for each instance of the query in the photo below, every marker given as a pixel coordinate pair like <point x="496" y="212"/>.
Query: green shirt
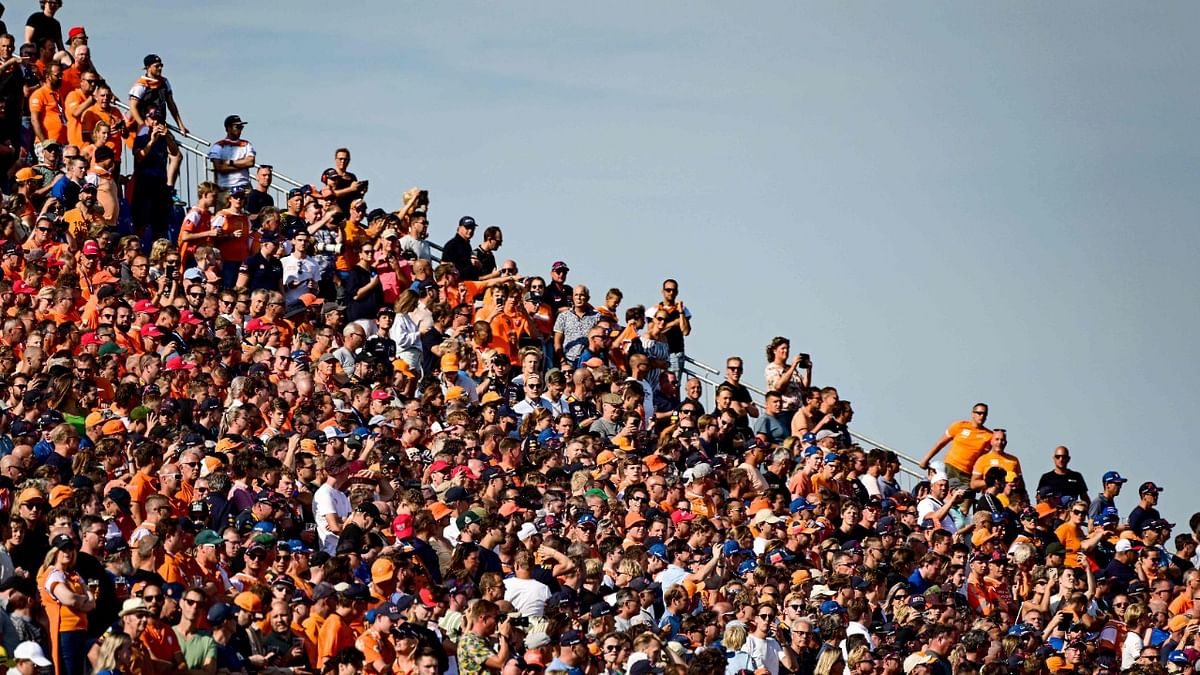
<point x="198" y="649"/>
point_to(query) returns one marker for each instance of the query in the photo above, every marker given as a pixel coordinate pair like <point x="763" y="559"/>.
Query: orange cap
<point x="383" y="570"/>
<point x="439" y="510"/>
<point x="249" y="602"/>
<point x="113" y="427"/>
<point x="60" y="493"/>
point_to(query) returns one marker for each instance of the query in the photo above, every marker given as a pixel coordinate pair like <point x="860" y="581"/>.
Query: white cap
<point x="32" y="651"/>
<point x="938" y="476"/>
<point x="918" y="659"/>
<point x="535" y="640"/>
<point x="527" y="530"/>
<point x="1124" y="545"/>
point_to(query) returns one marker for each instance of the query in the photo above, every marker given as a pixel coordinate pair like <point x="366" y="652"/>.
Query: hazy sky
<point x="942" y="202"/>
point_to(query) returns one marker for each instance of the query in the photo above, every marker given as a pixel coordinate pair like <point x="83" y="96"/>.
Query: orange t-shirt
<point x="75" y="125"/>
<point x="990" y="459"/>
<point x="375" y="648"/>
<point x="196" y="220"/>
<point x="161" y="640"/>
<point x="236" y="240"/>
<point x="141" y="487"/>
<point x="508" y="330"/>
<point x="67" y="618"/>
<point x="46" y="105"/>
<point x="110" y="116"/>
<point x="335" y="635"/>
<point x="968" y="444"/>
<point x="1069" y="536"/>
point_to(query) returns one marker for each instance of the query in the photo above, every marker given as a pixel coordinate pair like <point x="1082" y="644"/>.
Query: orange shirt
<point x="968" y="444"/>
<point x="335" y="635"/>
<point x="508" y="329"/>
<point x="236" y="240"/>
<point x="376" y="648"/>
<point x="1071" y="538"/>
<point x="990" y="459"/>
<point x="62" y="618"/>
<point x="196" y="220"/>
<point x="141" y="487"/>
<point x="75" y="125"/>
<point x="161" y="640"/>
<point x="46" y="105"/>
<point x="110" y="116"/>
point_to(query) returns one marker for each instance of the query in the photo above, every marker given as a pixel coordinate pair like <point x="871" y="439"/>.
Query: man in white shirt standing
<point x="527" y="595"/>
<point x="301" y="274"/>
<point x="331" y="506"/>
<point x="936" y="505"/>
<point x="232" y="157"/>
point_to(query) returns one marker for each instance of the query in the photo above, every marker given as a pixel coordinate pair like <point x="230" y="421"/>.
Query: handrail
<point x="201" y="153"/>
<point x="914" y="472"/>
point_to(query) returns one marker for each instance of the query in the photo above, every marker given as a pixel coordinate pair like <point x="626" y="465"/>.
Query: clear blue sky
<point x="942" y="202"/>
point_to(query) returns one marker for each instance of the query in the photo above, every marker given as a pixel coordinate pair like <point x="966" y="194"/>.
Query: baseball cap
<point x="466" y="221"/>
<point x="1114" y="477"/>
<point x="151" y="59"/>
<point x="31" y="651"/>
<point x="1149" y="488"/>
<point x="559" y="265"/>
<point x="234" y="119"/>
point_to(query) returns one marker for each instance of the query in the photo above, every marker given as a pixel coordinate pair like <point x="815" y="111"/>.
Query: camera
<point x="516" y="620"/>
<point x="805" y="361"/>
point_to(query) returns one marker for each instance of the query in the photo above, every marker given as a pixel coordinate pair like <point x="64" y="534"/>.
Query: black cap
<point x="234" y="119"/>
<point x="466" y="221"/>
<point x="150" y="60"/>
<point x="63" y="542"/>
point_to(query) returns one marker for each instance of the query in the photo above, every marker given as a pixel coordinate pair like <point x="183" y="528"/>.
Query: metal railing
<point x="195" y="167"/>
<point x="909" y="466"/>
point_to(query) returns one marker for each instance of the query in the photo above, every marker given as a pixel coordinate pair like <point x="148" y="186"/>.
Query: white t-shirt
<point x="528" y="596"/>
<point x="300" y="270"/>
<point x="764" y="652"/>
<point x="928" y="506"/>
<point x="328" y="500"/>
<point x="229" y="151"/>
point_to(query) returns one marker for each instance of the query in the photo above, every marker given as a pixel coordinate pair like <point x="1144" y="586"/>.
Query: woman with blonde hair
<point x="67" y="602"/>
<point x="738" y="657"/>
<point x="406" y="331"/>
<point x="830" y="663"/>
<point x="115" y="655"/>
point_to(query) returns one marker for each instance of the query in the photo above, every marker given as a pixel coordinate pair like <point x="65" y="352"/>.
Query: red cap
<point x="91" y="248"/>
<point x="309" y="299"/>
<point x="257" y="326"/>
<point x="381" y="395"/>
<point x="678" y="517"/>
<point x="89" y="339"/>
<point x="22" y="288"/>
<point x="151" y="330"/>
<point x="75" y="32"/>
<point x="464" y="470"/>
<point x="177" y="363"/>
<point x="145" y="306"/>
<point x="439" y="466"/>
<point x="402" y="526"/>
<point x="186" y="316"/>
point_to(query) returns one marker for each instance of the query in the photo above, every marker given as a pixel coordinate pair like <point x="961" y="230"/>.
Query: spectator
<point x="46" y="112"/>
<point x="232" y="157"/>
<point x="42" y="25"/>
<point x="996" y="456"/>
<point x="457" y="251"/>
<point x="156" y="159"/>
<point x="260" y="195"/>
<point x="1062" y="481"/>
<point x="345" y="185"/>
<point x="968" y="440"/>
<point x="678" y="324"/>
<point x="233" y="234"/>
<point x="152" y="91"/>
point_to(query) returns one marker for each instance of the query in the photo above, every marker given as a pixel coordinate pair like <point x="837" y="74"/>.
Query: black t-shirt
<point x="674" y="334"/>
<point x="263" y="272"/>
<point x="458" y="251"/>
<point x="558" y="297"/>
<point x="856" y="533"/>
<point x="487" y="261"/>
<point x="1069" y="484"/>
<point x="45" y="26"/>
<point x="341" y="183"/>
<point x="290" y="224"/>
<point x="256" y="201"/>
<point x="368" y="306"/>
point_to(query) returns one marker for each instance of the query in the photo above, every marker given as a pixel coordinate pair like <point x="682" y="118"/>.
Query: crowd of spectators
<point x="248" y="437"/>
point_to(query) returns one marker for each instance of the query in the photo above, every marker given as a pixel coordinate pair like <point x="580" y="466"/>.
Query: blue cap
<point x="1179" y="658"/>
<point x="657" y="550"/>
<point x="811" y="450"/>
<point x="831" y="607"/>
<point x="732" y="548"/>
<point x="747" y="567"/>
<point x="808" y="437"/>
<point x="589" y="519"/>
<point x="220" y="613"/>
<point x="1114" y="477"/>
<point x="801" y="504"/>
<point x="832" y="457"/>
<point x="779" y="556"/>
<point x="264" y="526"/>
<point x="297" y="546"/>
<point x="1021" y="630"/>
